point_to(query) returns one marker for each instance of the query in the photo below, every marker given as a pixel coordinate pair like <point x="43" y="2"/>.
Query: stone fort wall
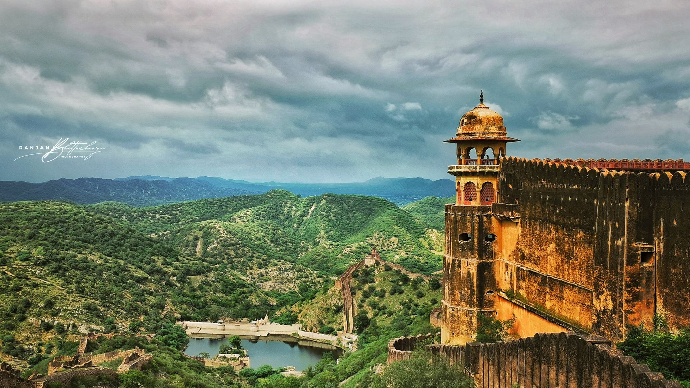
<point x="545" y="360"/>
<point x="603" y="248"/>
<point x="597" y="249"/>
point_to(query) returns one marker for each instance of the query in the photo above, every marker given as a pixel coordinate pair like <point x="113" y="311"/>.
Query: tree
<point x="490" y="329"/>
<point x="235" y="341"/>
<point x="361" y="321"/>
<point x="421" y="371"/>
<point x="173" y="335"/>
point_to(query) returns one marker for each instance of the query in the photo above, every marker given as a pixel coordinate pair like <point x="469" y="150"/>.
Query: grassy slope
<point x="105" y="266"/>
<point x="108" y="265"/>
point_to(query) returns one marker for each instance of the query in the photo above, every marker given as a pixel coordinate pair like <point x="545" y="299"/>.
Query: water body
<point x="261" y="352"/>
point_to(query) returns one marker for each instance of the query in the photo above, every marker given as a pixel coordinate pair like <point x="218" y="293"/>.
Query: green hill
<point x="430" y="210"/>
<point x="324" y="233"/>
<point x="66" y="268"/>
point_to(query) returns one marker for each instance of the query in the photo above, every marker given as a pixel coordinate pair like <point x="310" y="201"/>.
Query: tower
<point x="481" y="142"/>
<point x="468" y="261"/>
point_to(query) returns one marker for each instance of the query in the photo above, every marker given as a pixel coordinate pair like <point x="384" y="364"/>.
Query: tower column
<point x="468" y="273"/>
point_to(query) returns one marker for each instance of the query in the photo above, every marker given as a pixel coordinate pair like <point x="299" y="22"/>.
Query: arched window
<point x="471" y="156"/>
<point x="470" y="191"/>
<point x="487" y="194"/>
<point x="489" y="156"/>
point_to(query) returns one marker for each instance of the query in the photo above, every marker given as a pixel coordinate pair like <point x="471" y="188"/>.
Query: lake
<point x="261" y="352"/>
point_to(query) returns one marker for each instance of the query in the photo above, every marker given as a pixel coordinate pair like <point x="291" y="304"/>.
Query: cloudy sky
<point x="333" y="91"/>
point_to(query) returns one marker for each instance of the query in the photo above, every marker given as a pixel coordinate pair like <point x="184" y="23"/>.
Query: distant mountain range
<point x="155" y="190"/>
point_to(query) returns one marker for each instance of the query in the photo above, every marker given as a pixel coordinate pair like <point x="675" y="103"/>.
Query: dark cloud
<point x="336" y="92"/>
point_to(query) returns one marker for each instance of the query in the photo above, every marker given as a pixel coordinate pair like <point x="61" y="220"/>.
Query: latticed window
<point x="470" y="191"/>
<point x="487" y="194"/>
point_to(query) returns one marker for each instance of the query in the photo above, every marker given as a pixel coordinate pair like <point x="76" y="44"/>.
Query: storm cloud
<point x="334" y="91"/>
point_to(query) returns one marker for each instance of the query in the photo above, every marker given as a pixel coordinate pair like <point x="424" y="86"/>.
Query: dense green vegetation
<point x="393" y="303"/>
<point x="324" y="233"/>
<point x="68" y="269"/>
<point x="390" y="304"/>
<point x="662" y="351"/>
<point x="430" y="210"/>
<point x="421" y="371"/>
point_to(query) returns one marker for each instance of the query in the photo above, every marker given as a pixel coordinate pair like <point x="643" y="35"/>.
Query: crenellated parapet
<point x="627" y="165"/>
<point x="563" y="360"/>
<point x="401" y="348"/>
<point x="618" y="235"/>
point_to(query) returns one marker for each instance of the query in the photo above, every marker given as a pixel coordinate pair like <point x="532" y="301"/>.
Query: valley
<point x="68" y="270"/>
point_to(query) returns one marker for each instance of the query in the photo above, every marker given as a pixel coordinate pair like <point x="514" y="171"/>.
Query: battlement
<point x="581" y="173"/>
<point x="645" y="165"/>
<point x="628" y="165"/>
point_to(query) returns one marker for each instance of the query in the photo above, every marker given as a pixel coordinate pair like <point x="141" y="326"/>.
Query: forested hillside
<point x="68" y="268"/>
<point x="155" y="190"/>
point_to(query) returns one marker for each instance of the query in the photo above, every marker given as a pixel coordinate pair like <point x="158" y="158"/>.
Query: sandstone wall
<point x="66" y="377"/>
<point x="468" y="275"/>
<point x="545" y="360"/>
<point x="601" y="248"/>
<point x="10" y="378"/>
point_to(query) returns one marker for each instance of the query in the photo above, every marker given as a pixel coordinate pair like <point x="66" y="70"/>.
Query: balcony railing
<point x="473" y="162"/>
<point x="462" y="168"/>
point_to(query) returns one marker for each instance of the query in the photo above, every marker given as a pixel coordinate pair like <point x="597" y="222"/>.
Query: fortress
<point x="562" y="245"/>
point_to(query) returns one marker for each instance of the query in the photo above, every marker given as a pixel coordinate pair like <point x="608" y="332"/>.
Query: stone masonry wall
<point x="10" y="378"/>
<point x="601" y="248"/>
<point x="67" y="376"/>
<point x="545" y="360"/>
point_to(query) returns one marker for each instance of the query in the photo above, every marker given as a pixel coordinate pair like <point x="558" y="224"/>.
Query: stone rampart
<point x="10" y="378"/>
<point x="65" y="377"/>
<point x="348" y="303"/>
<point x="401" y="348"/>
<point x="82" y="361"/>
<point x="598" y="244"/>
<point x="345" y="279"/>
<point x="134" y="361"/>
<point x="545" y="360"/>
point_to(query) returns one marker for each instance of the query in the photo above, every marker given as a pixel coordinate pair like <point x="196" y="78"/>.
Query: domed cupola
<point x="481" y="141"/>
<point x="481" y="122"/>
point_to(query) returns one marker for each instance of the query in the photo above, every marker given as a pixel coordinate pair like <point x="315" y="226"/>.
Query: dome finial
<point x="481" y="96"/>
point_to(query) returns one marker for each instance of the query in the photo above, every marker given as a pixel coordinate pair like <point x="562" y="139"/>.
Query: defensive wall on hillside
<point x="545" y="360"/>
<point x="594" y="248"/>
<point x="64" y="369"/>
<point x="345" y="279"/>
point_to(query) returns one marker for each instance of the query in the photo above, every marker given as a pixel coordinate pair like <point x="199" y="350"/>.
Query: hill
<point x="430" y="211"/>
<point x="154" y="190"/>
<point x="69" y="268"/>
<point x="136" y="192"/>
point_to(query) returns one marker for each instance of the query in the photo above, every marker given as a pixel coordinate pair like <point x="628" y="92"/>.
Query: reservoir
<point x="275" y="353"/>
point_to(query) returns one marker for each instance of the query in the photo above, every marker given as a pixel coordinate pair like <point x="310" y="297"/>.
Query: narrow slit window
<point x="646" y="257"/>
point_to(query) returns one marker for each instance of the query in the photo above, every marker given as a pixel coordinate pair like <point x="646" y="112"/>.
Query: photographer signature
<point x="64" y="150"/>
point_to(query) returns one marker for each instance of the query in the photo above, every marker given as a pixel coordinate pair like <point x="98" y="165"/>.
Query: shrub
<point x="421" y="371"/>
<point x="661" y="351"/>
<point x="490" y="329"/>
